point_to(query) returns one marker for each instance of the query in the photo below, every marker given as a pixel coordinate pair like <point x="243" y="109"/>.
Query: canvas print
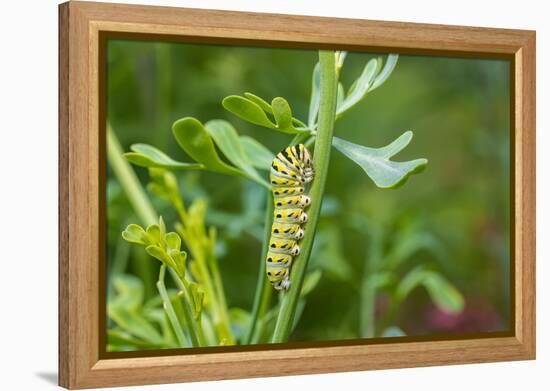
<point x="259" y="196"/>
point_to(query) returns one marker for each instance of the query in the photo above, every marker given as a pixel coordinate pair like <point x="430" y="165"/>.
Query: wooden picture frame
<point x="82" y="27"/>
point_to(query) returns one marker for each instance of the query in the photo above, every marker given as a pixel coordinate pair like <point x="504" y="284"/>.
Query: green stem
<point x="263" y="293"/>
<point x="137" y="197"/>
<point x="220" y="316"/>
<point x="300" y="138"/>
<point x="172" y="317"/>
<point x="129" y="181"/>
<point x="321" y="157"/>
<point x="367" y="310"/>
<point x="192" y="326"/>
<point x="201" y="247"/>
<point x="219" y="291"/>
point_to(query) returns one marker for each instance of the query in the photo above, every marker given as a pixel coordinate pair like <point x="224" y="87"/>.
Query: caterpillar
<point x="291" y="169"/>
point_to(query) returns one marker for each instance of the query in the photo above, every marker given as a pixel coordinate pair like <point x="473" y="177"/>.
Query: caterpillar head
<point x="299" y="233"/>
<point x="303" y="218"/>
<point x="295" y="250"/>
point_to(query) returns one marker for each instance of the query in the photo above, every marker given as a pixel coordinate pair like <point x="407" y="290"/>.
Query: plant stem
<point x="194" y="236"/>
<point x="219" y="290"/>
<point x="129" y="181"/>
<point x="218" y="308"/>
<point x="263" y="289"/>
<point x="373" y="261"/>
<point x="321" y="157"/>
<point x="169" y="308"/>
<point x="192" y="326"/>
<point x="137" y="197"/>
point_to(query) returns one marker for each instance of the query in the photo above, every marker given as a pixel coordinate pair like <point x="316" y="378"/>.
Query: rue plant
<point x="197" y="312"/>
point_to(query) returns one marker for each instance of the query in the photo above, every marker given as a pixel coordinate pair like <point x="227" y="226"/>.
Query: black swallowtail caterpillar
<point x="291" y="169"/>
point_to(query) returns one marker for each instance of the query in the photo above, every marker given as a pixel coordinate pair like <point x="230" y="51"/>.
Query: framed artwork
<point x="241" y="195"/>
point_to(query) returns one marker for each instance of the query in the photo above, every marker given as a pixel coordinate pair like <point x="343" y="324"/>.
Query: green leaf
<point x="372" y="77"/>
<point x="135" y="324"/>
<point x="158" y="253"/>
<point x="260" y="102"/>
<point x="193" y="138"/>
<point x="130" y="292"/>
<point x="310" y="282"/>
<point x="253" y="109"/>
<point x="314" y="100"/>
<point x="121" y="338"/>
<point x="227" y="140"/>
<point x="135" y="234"/>
<point x="197" y="294"/>
<point x="258" y="155"/>
<point x="340" y="57"/>
<point x="179" y="258"/>
<point x="247" y="110"/>
<point x="153" y="233"/>
<point x="442" y="292"/>
<point x="341" y="96"/>
<point x="328" y="254"/>
<point x="375" y="161"/>
<point x="240" y="322"/>
<point x="380" y="279"/>
<point x="148" y="156"/>
<point x="162" y="231"/>
<point x="173" y="241"/>
<point x="407" y="244"/>
<point x="391" y="61"/>
<point x="124" y="309"/>
<point x="360" y="87"/>
<point x="282" y="114"/>
<point x="164" y="184"/>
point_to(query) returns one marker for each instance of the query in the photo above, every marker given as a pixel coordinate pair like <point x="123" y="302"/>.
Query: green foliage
<point x="228" y="141"/>
<point x="314" y="100"/>
<point x="258" y="155"/>
<point x="165" y="247"/>
<point x="197" y="313"/>
<point x="360" y="87"/>
<point x="376" y="162"/>
<point x="386" y="271"/>
<point x="255" y="110"/>
<point x="443" y="294"/>
<point x="136" y="323"/>
<point x="372" y="77"/>
<point x="148" y="156"/>
<point x="197" y="141"/>
<point x="290" y="303"/>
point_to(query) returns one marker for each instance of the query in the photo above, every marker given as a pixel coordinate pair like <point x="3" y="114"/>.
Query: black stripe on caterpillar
<point x="291" y="169"/>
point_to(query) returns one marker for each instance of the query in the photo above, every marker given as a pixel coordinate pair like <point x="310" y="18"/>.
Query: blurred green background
<point x="453" y="218"/>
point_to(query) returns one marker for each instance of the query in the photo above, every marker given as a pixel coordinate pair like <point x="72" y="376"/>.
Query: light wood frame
<point x="81" y="161"/>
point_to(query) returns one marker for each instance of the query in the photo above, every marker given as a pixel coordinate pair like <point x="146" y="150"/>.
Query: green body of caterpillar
<point x="291" y="169"/>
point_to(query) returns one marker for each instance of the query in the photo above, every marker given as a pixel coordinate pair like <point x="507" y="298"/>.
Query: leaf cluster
<point x="244" y="156"/>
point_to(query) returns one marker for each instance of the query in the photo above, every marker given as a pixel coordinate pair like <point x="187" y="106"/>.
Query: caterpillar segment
<point x="291" y="170"/>
<point x="287" y="231"/>
<point x="299" y="201"/>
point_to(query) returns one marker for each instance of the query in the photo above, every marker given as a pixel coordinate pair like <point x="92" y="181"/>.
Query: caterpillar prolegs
<point x="291" y="169"/>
